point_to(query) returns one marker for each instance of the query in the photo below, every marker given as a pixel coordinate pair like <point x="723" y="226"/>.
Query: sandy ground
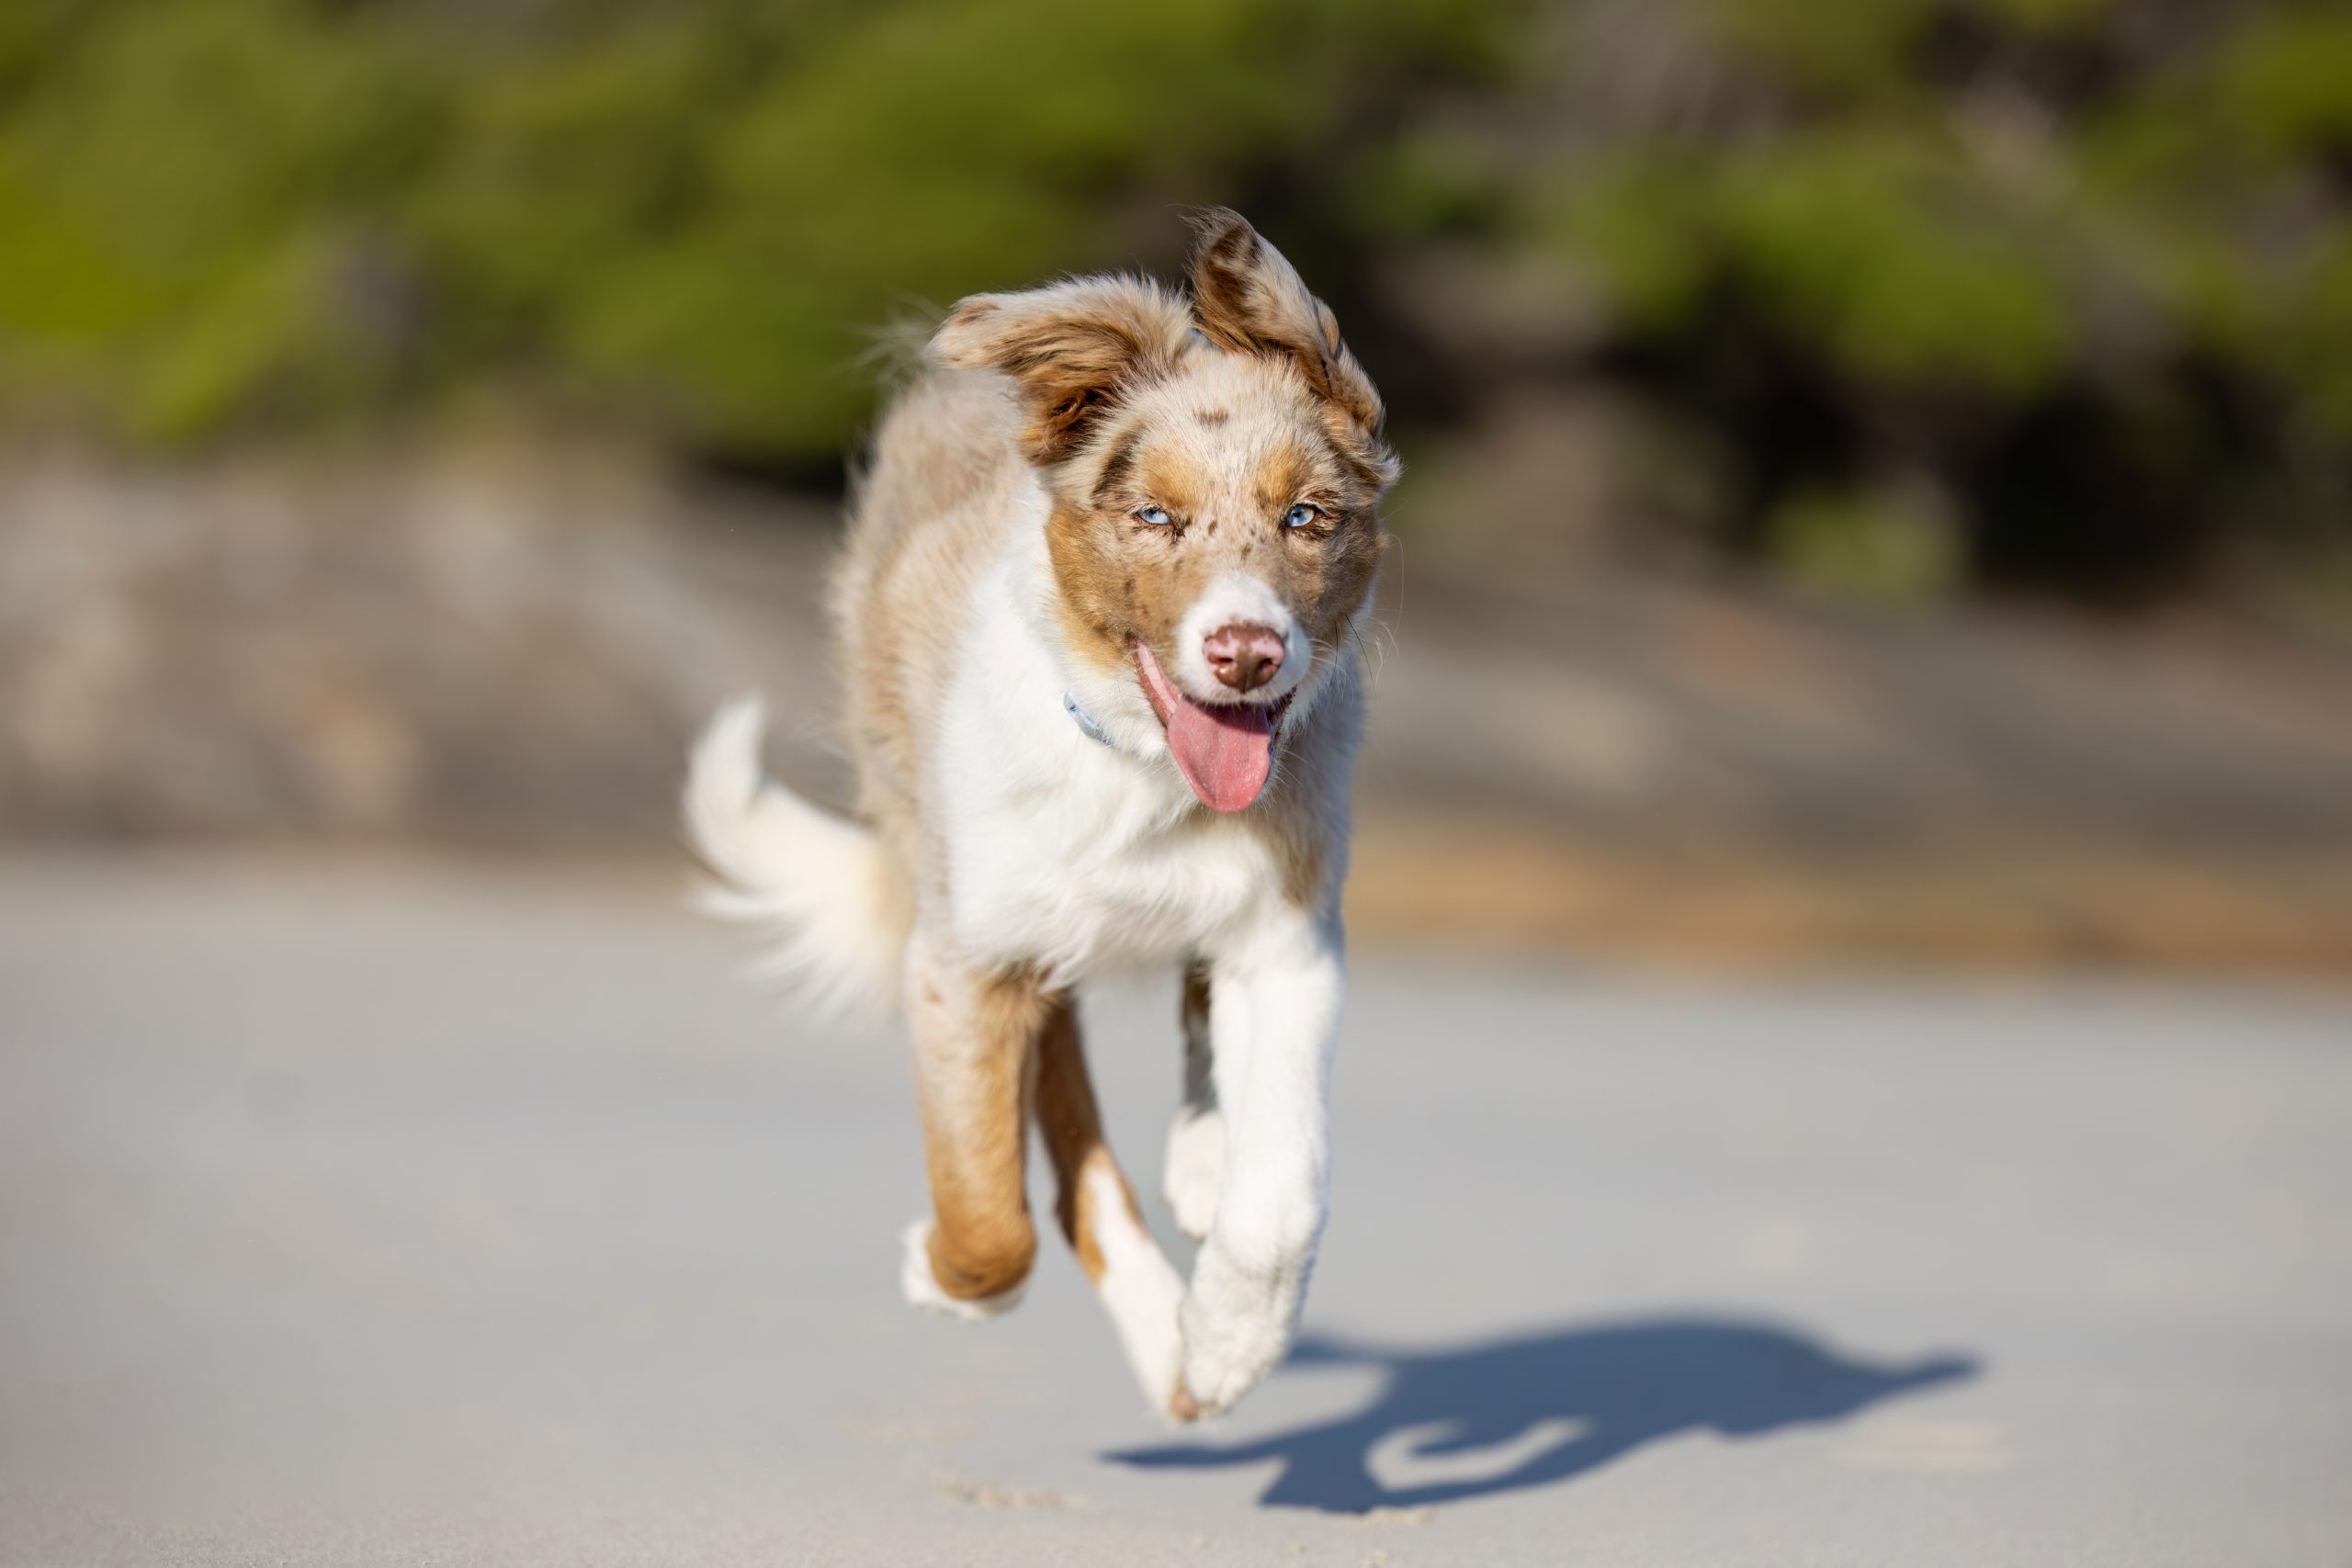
<point x="426" y="1216"/>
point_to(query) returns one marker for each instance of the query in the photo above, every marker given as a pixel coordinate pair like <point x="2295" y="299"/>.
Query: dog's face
<point x="1216" y="468"/>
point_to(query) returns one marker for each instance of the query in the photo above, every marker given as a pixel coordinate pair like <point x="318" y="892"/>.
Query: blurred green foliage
<point x="226" y="213"/>
<point x="2081" y="262"/>
<point x="2081" y="270"/>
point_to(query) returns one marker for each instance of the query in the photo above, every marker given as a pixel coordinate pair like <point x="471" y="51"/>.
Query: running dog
<point x="1099" y="616"/>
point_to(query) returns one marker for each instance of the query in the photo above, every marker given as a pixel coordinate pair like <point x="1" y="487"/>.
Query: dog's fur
<point x="1088" y="481"/>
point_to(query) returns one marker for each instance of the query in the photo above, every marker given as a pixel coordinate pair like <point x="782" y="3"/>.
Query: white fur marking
<point x="1062" y="853"/>
<point x="1139" y="1288"/>
<point x="824" y="886"/>
<point x="1196" y="1169"/>
<point x="1238" y="599"/>
<point x="921" y="1289"/>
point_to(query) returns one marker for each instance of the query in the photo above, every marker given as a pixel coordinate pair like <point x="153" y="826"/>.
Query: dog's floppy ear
<point x="1073" y="348"/>
<point x="1250" y="300"/>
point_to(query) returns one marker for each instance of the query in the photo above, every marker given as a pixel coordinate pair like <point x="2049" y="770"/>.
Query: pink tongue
<point x="1225" y="753"/>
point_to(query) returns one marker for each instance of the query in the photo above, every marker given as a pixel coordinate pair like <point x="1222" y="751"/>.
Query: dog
<point x="1100" y="615"/>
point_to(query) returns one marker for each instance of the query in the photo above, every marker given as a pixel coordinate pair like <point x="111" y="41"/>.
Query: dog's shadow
<point x="1522" y="1413"/>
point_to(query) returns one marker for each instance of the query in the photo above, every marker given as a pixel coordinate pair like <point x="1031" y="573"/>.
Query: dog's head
<point x="1215" y="467"/>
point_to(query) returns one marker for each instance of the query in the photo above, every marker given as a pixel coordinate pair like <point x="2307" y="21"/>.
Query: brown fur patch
<point x="974" y="1037"/>
<point x="1248" y="299"/>
<point x="1117" y="466"/>
<point x="1228" y="490"/>
<point x="1072" y="1127"/>
<point x="1073" y="348"/>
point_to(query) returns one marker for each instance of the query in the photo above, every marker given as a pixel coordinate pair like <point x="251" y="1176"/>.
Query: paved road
<point x="477" y="1218"/>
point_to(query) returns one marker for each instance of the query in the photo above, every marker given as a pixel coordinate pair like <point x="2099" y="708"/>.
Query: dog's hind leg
<point x="974" y="1037"/>
<point x="1195" y="1160"/>
<point x="1138" y="1285"/>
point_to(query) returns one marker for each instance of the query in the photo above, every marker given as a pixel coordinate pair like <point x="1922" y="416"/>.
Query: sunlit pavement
<point x="482" y="1215"/>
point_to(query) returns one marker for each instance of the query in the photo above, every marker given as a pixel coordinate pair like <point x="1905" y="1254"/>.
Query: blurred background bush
<point x="1758" y="313"/>
<point x="2046" y="293"/>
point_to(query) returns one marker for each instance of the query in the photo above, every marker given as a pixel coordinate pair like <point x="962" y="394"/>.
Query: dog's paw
<point x="1145" y="1296"/>
<point x="1194" y="1171"/>
<point x="1159" y="1370"/>
<point x="921" y="1288"/>
<point x="1231" y="1342"/>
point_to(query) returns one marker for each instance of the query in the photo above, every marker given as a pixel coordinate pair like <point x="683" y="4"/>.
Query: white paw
<point x="1142" y="1292"/>
<point x="920" y="1289"/>
<point x="1155" y="1349"/>
<point x="1194" y="1171"/>
<point x="1233" y="1338"/>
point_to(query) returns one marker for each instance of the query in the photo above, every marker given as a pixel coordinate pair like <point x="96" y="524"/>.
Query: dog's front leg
<point x="1273" y="1013"/>
<point x="1195" y="1165"/>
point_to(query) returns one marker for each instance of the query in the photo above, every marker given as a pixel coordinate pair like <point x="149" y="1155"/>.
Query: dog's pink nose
<point x="1245" y="658"/>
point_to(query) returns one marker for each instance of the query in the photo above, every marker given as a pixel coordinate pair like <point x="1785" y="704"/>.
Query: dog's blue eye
<point x="1302" y="517"/>
<point x="1155" y="515"/>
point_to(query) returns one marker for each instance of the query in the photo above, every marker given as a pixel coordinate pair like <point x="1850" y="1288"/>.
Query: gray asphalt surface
<point x="427" y="1216"/>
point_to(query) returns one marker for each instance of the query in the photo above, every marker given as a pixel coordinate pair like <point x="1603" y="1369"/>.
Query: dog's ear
<point x="1073" y="348"/>
<point x="1250" y="300"/>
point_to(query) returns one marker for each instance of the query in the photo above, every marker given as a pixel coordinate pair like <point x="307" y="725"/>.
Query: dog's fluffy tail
<point x="828" y="888"/>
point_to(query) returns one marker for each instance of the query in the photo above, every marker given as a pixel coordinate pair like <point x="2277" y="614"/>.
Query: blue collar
<point x="1087" y="722"/>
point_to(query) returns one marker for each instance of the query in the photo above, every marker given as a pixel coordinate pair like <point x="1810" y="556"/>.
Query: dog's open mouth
<point x="1226" y="752"/>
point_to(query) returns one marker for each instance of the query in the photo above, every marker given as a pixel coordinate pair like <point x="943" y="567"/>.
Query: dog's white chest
<point x="1067" y="845"/>
<point x="1097" y="860"/>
